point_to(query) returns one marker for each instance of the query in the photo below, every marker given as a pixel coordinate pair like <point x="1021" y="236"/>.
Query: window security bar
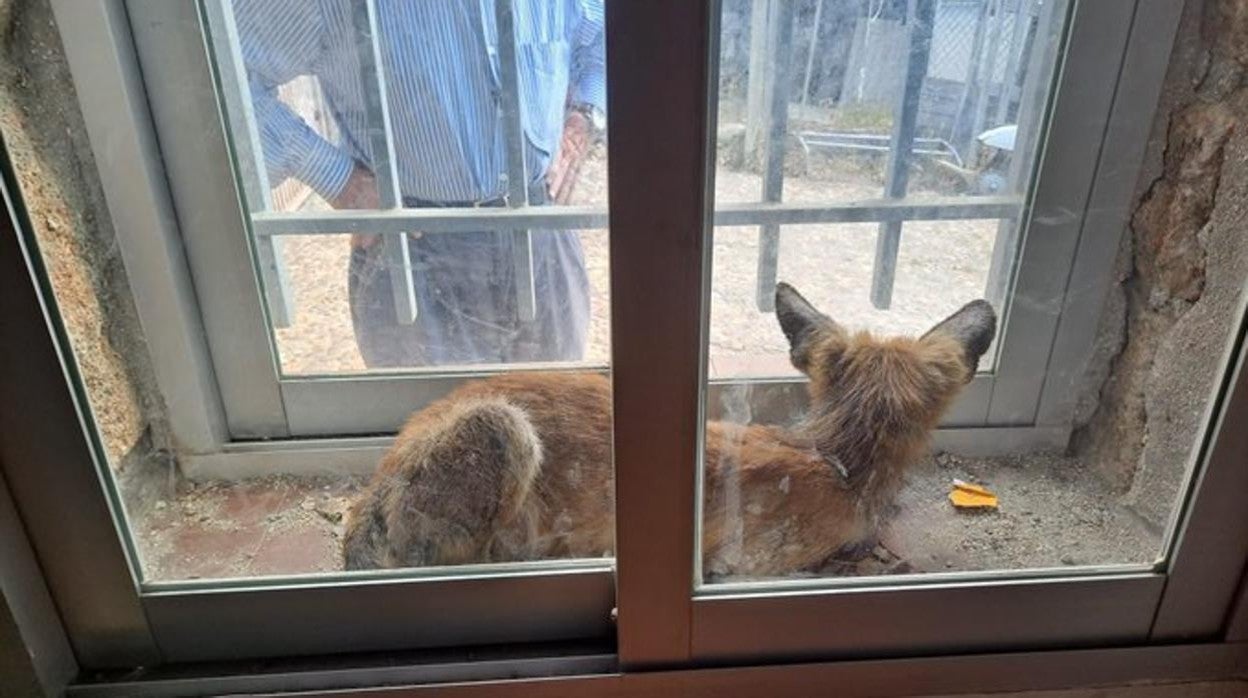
<point x="769" y="214"/>
<point x="451" y="220"/>
<point x="381" y="144"/>
<point x="779" y="41"/>
<point x="246" y="141"/>
<point x="517" y="169"/>
<point x="905" y="124"/>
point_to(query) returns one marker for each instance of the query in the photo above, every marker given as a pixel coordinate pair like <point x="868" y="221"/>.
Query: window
<point x="915" y="177"/>
<point x="709" y="465"/>
<point x="421" y="151"/>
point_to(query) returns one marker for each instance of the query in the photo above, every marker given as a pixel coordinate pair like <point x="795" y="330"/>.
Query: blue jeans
<point x="466" y="301"/>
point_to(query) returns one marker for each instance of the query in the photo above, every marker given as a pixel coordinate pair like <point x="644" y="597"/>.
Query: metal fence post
<point x="776" y="127"/>
<point x="381" y="143"/>
<point x="517" y="168"/>
<point x="905" y="124"/>
<point x="810" y="55"/>
<point x="248" y="155"/>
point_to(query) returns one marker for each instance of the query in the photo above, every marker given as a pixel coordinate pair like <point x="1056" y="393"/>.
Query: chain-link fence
<point x="852" y="52"/>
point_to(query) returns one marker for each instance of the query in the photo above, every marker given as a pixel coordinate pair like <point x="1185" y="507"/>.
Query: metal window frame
<point x="793" y="621"/>
<point x="661" y="63"/>
<point x="36" y="376"/>
<point x="590" y="676"/>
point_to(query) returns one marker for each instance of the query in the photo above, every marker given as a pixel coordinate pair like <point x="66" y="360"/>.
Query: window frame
<point x="661" y="70"/>
<point x="793" y="621"/>
<point x="1019" y="404"/>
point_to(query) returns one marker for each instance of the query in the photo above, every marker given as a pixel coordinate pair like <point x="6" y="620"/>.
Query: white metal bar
<point x="517" y="168"/>
<point x="381" y="141"/>
<point x="248" y="154"/>
<point x="888" y="242"/>
<point x="449" y="220"/>
<point x="779" y="58"/>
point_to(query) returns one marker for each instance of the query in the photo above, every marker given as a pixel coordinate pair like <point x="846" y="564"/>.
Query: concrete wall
<point x="1181" y="270"/>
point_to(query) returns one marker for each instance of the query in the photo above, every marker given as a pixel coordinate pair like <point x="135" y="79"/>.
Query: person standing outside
<point x="443" y="86"/>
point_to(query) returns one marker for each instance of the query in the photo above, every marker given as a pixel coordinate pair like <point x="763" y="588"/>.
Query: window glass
<point x="341" y="116"/>
<point x="874" y="161"/>
<point x="421" y="112"/>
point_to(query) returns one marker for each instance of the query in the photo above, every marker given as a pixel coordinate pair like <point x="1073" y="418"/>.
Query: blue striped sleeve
<point x="280" y="41"/>
<point x="292" y="149"/>
<point x="589" y="59"/>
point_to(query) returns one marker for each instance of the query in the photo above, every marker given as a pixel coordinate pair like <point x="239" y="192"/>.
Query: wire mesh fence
<point x="851" y="52"/>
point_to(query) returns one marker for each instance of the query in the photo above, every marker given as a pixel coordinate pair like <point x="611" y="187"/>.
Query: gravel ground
<point x="942" y="264"/>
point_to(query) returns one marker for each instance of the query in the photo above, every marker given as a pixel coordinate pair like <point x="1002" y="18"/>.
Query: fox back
<point x="518" y="466"/>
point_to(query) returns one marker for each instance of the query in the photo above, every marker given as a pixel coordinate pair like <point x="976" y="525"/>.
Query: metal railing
<point x="394" y="221"/>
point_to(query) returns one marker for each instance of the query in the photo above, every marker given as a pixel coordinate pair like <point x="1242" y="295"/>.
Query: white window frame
<point x="661" y="73"/>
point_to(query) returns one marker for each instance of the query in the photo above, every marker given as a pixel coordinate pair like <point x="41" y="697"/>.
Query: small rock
<point x="308" y="504"/>
<point x="1068" y="560"/>
<point x="160" y="506"/>
<point x="901" y="567"/>
<point x="330" y="516"/>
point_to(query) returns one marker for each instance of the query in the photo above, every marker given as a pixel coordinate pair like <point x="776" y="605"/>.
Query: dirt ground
<point x="942" y="264"/>
<point x="1053" y="513"/>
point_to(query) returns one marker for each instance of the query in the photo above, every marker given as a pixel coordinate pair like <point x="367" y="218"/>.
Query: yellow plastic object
<point x="970" y="496"/>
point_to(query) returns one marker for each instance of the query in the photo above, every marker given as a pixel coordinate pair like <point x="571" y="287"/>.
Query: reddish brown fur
<point x="519" y="466"/>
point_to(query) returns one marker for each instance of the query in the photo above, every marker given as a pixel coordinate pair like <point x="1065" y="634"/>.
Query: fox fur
<point x="518" y="466"/>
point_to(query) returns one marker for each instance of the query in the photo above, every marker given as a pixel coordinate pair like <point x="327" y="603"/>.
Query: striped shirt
<point x="442" y="70"/>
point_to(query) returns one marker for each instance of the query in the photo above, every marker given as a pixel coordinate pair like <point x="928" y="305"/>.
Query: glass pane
<point x="327" y="114"/>
<point x="852" y="104"/>
<point x="487" y="469"/>
<point x="940" y="264"/>
<point x="850" y="412"/>
<point x="320" y="339"/>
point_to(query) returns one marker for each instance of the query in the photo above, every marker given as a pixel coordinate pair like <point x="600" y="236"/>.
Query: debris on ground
<point x="969" y="496"/>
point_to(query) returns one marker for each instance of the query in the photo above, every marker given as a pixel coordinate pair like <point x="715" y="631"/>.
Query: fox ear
<point x="800" y="322"/>
<point x="973" y="326"/>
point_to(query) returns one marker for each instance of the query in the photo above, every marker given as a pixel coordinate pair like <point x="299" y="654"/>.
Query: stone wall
<point x="1181" y="269"/>
<point x="46" y="140"/>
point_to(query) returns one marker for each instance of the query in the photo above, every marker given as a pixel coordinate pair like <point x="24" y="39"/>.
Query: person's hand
<point x="360" y="191"/>
<point x="563" y="173"/>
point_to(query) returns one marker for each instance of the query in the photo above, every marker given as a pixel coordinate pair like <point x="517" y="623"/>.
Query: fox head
<point x="873" y="401"/>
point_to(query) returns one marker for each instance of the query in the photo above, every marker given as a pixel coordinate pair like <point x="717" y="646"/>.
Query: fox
<point x="518" y="466"/>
